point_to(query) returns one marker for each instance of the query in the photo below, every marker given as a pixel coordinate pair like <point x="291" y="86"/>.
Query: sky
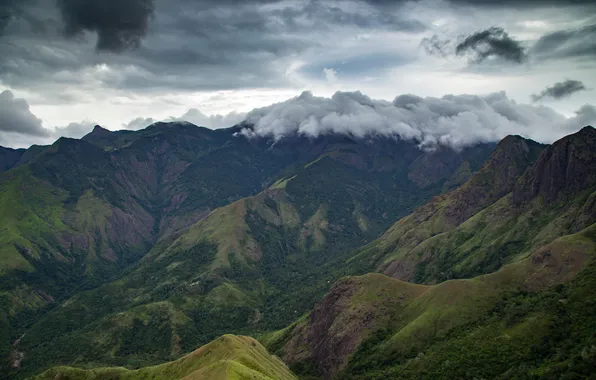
<point x="450" y="71"/>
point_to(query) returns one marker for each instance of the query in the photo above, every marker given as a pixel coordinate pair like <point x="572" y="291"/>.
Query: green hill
<point x="228" y="357"/>
<point x="374" y="326"/>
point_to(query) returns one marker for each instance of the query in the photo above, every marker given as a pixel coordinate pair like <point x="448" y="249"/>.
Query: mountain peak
<point x="99" y="129"/>
<point x="566" y="167"/>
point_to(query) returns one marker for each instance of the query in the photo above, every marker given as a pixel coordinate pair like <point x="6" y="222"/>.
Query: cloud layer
<point x="193" y="116"/>
<point x="454" y="120"/>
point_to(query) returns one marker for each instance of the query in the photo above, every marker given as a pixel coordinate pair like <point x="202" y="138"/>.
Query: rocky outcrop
<point x="567" y="167"/>
<point x="496" y="178"/>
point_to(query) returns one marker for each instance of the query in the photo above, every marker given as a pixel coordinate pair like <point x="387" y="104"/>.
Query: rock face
<point x="330" y="351"/>
<point x="497" y="177"/>
<point x="567" y="167"/>
<point x="352" y="309"/>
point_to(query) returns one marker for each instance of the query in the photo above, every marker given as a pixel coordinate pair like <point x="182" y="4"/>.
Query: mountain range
<point x="345" y="257"/>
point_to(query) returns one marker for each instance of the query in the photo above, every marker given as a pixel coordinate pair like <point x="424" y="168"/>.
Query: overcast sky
<point x="527" y="66"/>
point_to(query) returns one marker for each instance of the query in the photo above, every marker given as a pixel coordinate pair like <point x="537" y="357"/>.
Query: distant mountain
<point x="527" y="218"/>
<point x="9" y="158"/>
<point x="227" y="358"/>
<point x="175" y="212"/>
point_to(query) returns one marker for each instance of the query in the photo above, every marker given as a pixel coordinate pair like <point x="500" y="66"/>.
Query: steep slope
<point x="371" y="322"/>
<point x="9" y="158"/>
<point x="228" y="357"/>
<point x="512" y="215"/>
<point x="494" y="218"/>
<point x="239" y="268"/>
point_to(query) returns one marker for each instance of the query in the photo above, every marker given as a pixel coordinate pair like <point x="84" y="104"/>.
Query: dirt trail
<point x="16" y="356"/>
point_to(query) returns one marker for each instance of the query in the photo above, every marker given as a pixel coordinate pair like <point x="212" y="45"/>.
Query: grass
<point x="227" y="358"/>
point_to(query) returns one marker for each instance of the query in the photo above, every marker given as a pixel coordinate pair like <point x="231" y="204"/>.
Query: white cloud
<point x="455" y="120"/>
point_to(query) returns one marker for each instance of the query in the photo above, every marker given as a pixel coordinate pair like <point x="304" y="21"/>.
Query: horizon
<point x="65" y="68"/>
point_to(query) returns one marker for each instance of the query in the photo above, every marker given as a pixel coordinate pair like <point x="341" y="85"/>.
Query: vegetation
<point x="127" y="250"/>
<point x="228" y="357"/>
<point x="526" y="335"/>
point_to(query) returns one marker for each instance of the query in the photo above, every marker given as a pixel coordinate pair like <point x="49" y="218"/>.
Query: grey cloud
<point x="119" y="24"/>
<point x="15" y="117"/>
<point x="569" y="43"/>
<point x="181" y="44"/>
<point x="139" y="123"/>
<point x="560" y="90"/>
<point x="454" y="120"/>
<point x="74" y="130"/>
<point x="492" y="42"/>
<point x="436" y="46"/>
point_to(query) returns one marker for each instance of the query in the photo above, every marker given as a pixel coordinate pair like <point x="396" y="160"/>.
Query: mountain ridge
<point x="116" y="197"/>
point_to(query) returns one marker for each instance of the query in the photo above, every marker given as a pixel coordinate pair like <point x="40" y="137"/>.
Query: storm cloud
<point x="119" y="24"/>
<point x="560" y="90"/>
<point x="492" y="43"/>
<point x="453" y="120"/>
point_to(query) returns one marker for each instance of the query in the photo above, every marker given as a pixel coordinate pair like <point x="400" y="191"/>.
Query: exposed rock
<point x="566" y="167"/>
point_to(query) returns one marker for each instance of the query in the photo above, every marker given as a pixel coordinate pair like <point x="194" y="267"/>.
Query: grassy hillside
<point x="226" y="358"/>
<point x="374" y="326"/>
<point x="528" y="243"/>
<point x="485" y="224"/>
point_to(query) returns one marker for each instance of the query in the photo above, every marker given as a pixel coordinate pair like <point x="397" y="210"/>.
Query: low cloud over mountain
<point x="455" y="120"/>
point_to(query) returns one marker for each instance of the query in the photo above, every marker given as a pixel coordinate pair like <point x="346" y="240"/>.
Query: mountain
<point x="228" y="357"/>
<point x="205" y="231"/>
<point x="9" y="158"/>
<point x="131" y="249"/>
<point x="496" y="217"/>
<point x="533" y="233"/>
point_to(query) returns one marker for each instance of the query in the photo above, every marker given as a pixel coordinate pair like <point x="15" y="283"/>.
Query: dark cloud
<point x="492" y="43"/>
<point x="569" y="43"/>
<point x="181" y="44"/>
<point x="560" y="90"/>
<point x="119" y="24"/>
<point x="15" y="117"/>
